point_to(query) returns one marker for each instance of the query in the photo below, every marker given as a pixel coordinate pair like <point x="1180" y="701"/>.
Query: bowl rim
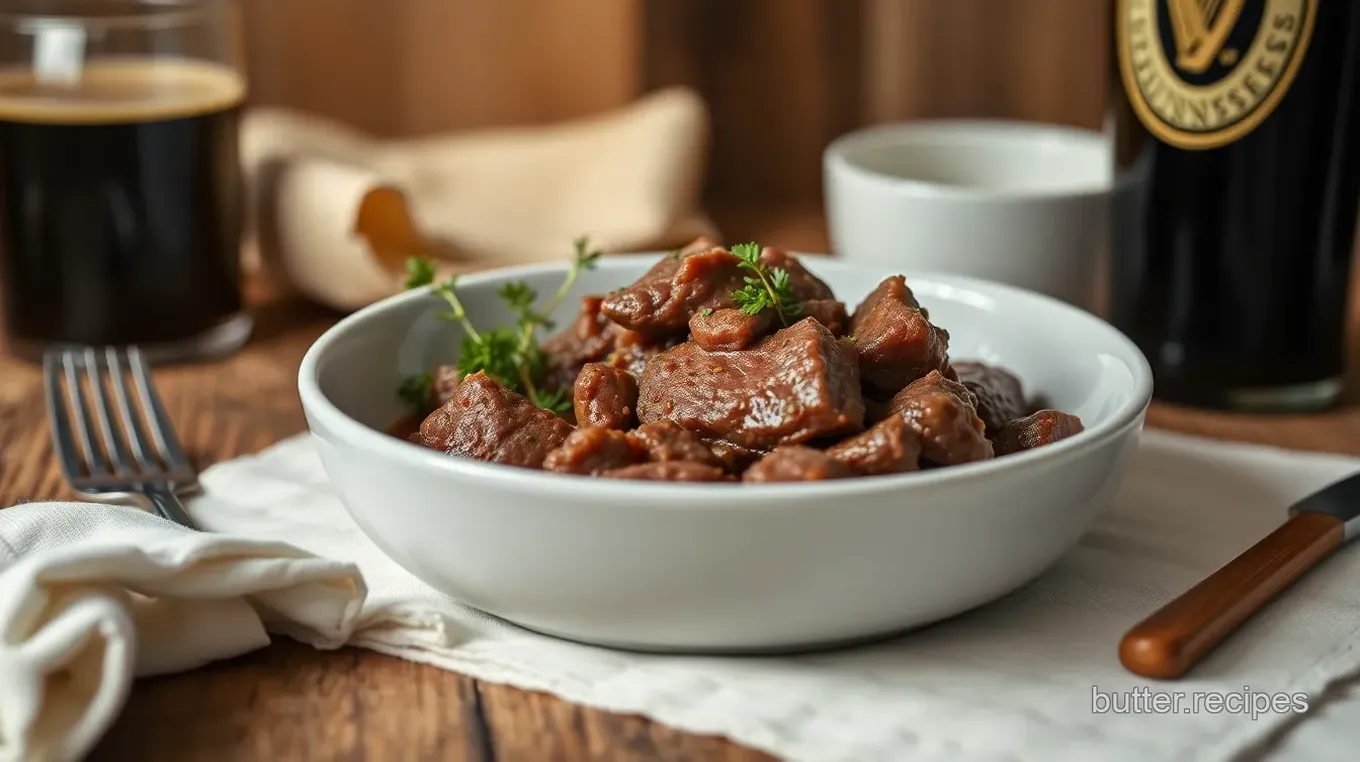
<point x="317" y="406"/>
<point x="838" y="159"/>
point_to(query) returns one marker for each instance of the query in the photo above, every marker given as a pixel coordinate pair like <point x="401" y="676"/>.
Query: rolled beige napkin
<point x="336" y="212"/>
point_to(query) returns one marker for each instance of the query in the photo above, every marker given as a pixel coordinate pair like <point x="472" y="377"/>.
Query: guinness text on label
<point x="1203" y="73"/>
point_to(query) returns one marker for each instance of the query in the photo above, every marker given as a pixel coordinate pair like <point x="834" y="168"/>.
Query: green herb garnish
<point x="705" y="312"/>
<point x="768" y="290"/>
<point x="509" y="354"/>
<point x="419" y="272"/>
<point x="416" y="391"/>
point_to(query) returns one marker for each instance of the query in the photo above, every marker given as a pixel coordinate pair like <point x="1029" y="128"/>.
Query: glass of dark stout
<point x="121" y="196"/>
<point x="1237" y="142"/>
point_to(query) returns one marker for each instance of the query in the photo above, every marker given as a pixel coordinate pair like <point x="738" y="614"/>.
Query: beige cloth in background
<point x="629" y="179"/>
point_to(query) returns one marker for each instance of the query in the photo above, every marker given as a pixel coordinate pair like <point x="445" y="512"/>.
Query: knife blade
<point x="1174" y="638"/>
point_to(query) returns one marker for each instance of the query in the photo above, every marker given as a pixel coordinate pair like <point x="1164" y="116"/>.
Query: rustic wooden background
<point x="781" y="77"/>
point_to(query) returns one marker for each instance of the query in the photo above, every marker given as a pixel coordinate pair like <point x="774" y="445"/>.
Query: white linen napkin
<point x="92" y="594"/>
<point x="1025" y="678"/>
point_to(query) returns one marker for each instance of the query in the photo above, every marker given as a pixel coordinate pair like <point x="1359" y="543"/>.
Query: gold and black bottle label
<point x="1203" y="73"/>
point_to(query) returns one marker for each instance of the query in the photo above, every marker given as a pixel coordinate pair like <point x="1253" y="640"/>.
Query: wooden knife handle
<point x="1168" y="643"/>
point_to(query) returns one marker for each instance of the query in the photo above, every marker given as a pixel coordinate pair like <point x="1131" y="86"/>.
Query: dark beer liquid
<point x="1231" y="266"/>
<point x="120" y="204"/>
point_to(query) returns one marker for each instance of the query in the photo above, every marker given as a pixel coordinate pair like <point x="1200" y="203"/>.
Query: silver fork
<point x="110" y="460"/>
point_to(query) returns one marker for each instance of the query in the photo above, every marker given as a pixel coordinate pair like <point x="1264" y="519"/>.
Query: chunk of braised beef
<point x="660" y="303"/>
<point x="896" y="341"/>
<point x="670" y="471"/>
<point x="893" y="288"/>
<point x="802" y="283"/>
<point x="799" y="384"/>
<point x="728" y="329"/>
<point x="876" y="410"/>
<point x="828" y="312"/>
<point x="1041" y="428"/>
<point x="666" y="441"/>
<point x="890" y="446"/>
<point x="943" y="413"/>
<point x="591" y="337"/>
<point x="593" y="450"/>
<point x="796" y="463"/>
<point x="485" y="421"/>
<point x="735" y="459"/>
<point x="605" y="396"/>
<point x="1000" y="397"/>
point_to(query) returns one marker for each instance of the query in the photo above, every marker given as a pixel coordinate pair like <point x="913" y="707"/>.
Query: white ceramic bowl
<point x="727" y="567"/>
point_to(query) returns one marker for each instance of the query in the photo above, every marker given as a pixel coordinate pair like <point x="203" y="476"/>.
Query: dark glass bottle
<point x="1237" y="149"/>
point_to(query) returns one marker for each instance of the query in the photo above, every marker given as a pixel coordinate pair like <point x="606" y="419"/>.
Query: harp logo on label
<point x="1203" y="73"/>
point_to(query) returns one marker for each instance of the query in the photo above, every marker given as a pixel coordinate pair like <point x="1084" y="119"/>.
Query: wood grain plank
<point x="538" y="726"/>
<point x="290" y="701"/>
<point x="1038" y="60"/>
<point x="467" y="64"/>
<point x="424" y="66"/>
<point x="781" y="79"/>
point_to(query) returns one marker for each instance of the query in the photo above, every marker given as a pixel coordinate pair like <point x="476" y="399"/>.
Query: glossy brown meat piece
<point x="728" y="329"/>
<point x="660" y="303"/>
<point x="802" y="282"/>
<point x="1000" y="397"/>
<point x="670" y="471"/>
<point x="893" y="288"/>
<point x="896" y="341"/>
<point x="591" y="337"/>
<point x="890" y="446"/>
<point x="799" y="384"/>
<point x="828" y="312"/>
<point x="734" y="459"/>
<point x="592" y="451"/>
<point x="942" y="412"/>
<point x="605" y="396"/>
<point x="666" y="441"/>
<point x="1042" y="428"/>
<point x="485" y="421"/>
<point x="632" y="353"/>
<point x="795" y="463"/>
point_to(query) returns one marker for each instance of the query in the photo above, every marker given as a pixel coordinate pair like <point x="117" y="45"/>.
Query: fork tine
<point x="99" y="397"/>
<point x="59" y="415"/>
<point x="162" y="431"/>
<point x="132" y="427"/>
<point x="94" y="459"/>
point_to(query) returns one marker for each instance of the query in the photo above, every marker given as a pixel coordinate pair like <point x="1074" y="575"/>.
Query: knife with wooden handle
<point x="1171" y="641"/>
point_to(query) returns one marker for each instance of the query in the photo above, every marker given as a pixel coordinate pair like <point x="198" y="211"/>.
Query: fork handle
<point x="168" y="506"/>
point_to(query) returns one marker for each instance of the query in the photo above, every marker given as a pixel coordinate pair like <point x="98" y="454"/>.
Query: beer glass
<point x="1237" y="141"/>
<point x="121" y="197"/>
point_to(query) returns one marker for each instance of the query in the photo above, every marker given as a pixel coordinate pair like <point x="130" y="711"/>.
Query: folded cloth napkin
<point x="91" y="595"/>
<point x="336" y="212"/>
<point x="1031" y="677"/>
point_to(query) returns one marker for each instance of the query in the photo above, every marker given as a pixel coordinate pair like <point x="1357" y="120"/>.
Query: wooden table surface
<point x="288" y="701"/>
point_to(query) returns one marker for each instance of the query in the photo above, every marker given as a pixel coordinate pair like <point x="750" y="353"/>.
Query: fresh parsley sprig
<point x="510" y="354"/>
<point x="768" y="290"/>
<point x="416" y="391"/>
